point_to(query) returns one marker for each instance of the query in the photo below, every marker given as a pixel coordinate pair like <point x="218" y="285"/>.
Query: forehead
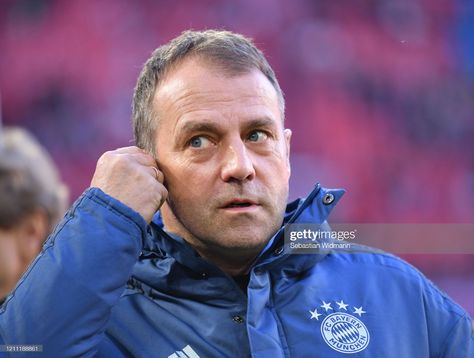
<point x="196" y="85"/>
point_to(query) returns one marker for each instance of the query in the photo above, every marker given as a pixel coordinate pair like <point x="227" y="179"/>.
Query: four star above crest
<point x="341" y="306"/>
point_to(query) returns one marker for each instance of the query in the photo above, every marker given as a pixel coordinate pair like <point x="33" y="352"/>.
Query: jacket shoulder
<point x="387" y="267"/>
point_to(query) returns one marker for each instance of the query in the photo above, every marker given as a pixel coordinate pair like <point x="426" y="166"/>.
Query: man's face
<point x="224" y="153"/>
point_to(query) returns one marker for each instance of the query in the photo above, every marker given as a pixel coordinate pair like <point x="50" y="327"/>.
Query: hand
<point x="130" y="175"/>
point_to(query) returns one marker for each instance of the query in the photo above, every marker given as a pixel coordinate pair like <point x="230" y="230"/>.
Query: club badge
<point x="340" y="328"/>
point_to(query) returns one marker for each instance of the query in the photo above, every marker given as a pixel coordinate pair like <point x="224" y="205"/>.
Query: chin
<point x="243" y="242"/>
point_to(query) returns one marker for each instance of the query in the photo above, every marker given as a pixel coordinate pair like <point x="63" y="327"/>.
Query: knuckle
<point x="103" y="161"/>
<point x="105" y="157"/>
<point x="146" y="158"/>
<point x="161" y="193"/>
<point x="138" y="149"/>
<point x="149" y="158"/>
<point x="116" y="163"/>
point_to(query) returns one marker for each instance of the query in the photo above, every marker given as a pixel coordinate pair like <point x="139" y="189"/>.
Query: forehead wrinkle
<point x="172" y="86"/>
<point x="182" y="95"/>
<point x="180" y="99"/>
<point x="202" y="105"/>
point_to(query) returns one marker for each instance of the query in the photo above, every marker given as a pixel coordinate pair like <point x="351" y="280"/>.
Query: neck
<point x="236" y="264"/>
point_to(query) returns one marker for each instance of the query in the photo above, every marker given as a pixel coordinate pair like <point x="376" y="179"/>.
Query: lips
<point x="239" y="203"/>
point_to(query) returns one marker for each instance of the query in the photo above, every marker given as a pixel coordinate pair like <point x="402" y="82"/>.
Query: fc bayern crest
<point x="340" y="328"/>
<point x="345" y="333"/>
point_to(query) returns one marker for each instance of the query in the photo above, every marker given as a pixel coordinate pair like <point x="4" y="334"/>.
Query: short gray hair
<point x="29" y="180"/>
<point x="231" y="52"/>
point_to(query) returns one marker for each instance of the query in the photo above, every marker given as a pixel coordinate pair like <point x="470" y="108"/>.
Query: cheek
<point x="275" y="174"/>
<point x="186" y="181"/>
<point x="276" y="166"/>
<point x="174" y="169"/>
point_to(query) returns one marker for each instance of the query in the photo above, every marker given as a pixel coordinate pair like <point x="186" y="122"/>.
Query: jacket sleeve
<point x="460" y="342"/>
<point x="64" y="300"/>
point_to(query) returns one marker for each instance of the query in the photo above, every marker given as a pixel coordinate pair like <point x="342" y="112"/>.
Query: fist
<point x="131" y="176"/>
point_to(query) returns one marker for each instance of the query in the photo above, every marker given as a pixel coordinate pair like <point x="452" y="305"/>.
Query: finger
<point x="163" y="195"/>
<point x="129" y="150"/>
<point x="141" y="158"/>
<point x="140" y="155"/>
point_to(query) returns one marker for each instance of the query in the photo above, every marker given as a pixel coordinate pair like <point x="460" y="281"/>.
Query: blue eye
<point x="257" y="136"/>
<point x="199" y="142"/>
<point x="196" y="142"/>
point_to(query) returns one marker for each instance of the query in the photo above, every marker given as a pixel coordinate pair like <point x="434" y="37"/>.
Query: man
<point x="32" y="200"/>
<point x="206" y="274"/>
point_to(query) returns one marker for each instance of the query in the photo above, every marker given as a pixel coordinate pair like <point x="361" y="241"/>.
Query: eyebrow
<point x="201" y="126"/>
<point x="260" y="122"/>
<point x="214" y="127"/>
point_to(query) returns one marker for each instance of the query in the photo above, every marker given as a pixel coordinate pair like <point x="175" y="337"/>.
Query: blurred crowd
<point x="380" y="95"/>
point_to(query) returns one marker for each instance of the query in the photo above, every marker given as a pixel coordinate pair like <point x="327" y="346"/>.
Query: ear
<point x="287" y="132"/>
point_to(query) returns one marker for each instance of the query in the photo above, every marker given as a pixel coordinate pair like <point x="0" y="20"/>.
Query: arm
<point x="64" y="300"/>
<point x="460" y="342"/>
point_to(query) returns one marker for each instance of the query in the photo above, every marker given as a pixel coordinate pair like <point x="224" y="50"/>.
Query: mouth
<point x="240" y="205"/>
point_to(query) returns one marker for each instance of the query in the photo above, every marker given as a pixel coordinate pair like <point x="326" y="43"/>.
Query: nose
<point x="237" y="163"/>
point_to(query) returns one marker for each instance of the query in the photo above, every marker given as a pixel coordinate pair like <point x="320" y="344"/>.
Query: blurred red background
<point x="380" y="95"/>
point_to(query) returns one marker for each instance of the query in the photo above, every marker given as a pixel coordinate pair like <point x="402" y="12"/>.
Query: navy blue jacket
<point x="108" y="285"/>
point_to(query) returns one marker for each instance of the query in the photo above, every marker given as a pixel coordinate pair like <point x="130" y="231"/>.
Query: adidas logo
<point x="186" y="352"/>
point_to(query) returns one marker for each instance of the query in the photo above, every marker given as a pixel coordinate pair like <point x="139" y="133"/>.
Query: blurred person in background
<point x="32" y="200"/>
